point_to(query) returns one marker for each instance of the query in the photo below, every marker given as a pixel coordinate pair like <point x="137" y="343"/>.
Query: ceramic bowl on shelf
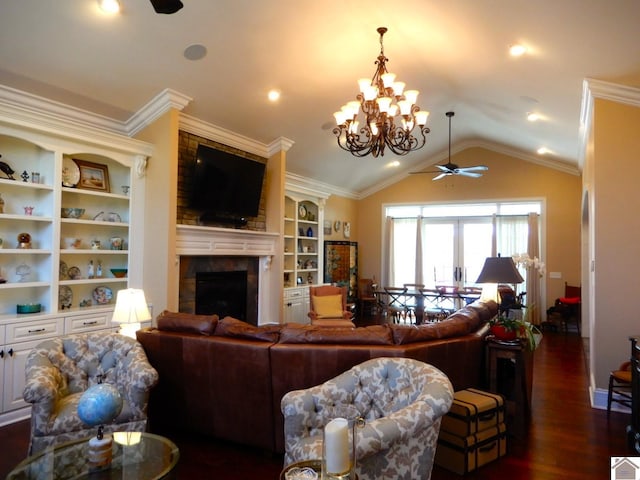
<point x="71" y="212"/>
<point x="28" y="308"/>
<point x="119" y="272"/>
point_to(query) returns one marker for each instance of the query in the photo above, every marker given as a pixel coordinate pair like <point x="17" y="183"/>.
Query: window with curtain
<point x="454" y="240"/>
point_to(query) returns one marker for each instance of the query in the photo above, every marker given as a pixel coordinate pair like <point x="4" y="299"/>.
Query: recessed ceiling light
<point x="543" y="151"/>
<point x="394" y="163"/>
<point x="274" y="95"/>
<point x="533" y="117"/>
<point x="109" y="6"/>
<point x="517" y="50"/>
<point x="195" y="52"/>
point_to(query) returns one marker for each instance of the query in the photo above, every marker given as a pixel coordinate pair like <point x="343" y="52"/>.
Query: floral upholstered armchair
<point x="58" y="371"/>
<point x="402" y="402"/>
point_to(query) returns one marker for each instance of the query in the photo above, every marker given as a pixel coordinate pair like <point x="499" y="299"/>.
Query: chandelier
<point x="388" y="118"/>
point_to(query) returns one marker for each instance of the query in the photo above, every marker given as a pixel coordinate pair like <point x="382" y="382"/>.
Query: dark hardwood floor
<point x="567" y="438"/>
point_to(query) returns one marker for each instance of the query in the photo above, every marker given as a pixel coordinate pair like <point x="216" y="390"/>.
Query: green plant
<point x="524" y="330"/>
<point x="509" y="324"/>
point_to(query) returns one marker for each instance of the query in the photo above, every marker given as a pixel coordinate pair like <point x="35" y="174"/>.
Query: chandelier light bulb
<point x="387" y="112"/>
<point x="387" y="79"/>
<point x="411" y="96"/>
<point x="364" y="84"/>
<point x="421" y="117"/>
<point x="383" y="104"/>
<point x="398" y="88"/>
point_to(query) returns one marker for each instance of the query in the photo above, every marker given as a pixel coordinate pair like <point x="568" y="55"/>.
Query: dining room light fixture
<point x="384" y="115"/>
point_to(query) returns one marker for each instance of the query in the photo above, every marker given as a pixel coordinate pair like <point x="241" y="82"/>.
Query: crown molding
<point x="281" y="144"/>
<point x="64" y="121"/>
<point x="309" y="186"/>
<point x="218" y="134"/>
<point x="475" y="143"/>
<point x="155" y="108"/>
<point x="592" y="89"/>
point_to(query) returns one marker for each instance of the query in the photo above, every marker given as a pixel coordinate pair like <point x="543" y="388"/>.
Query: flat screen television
<point x="226" y="188"/>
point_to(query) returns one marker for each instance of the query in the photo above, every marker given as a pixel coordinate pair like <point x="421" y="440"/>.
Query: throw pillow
<point x="328" y="306"/>
<point x="187" y="322"/>
<point x="232" y="327"/>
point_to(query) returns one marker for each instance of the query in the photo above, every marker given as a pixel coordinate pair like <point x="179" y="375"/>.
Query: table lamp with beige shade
<point x="131" y="309"/>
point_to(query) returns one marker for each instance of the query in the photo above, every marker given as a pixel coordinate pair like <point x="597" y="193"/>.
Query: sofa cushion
<point x="327" y="306"/>
<point x="403" y="334"/>
<point x="187" y="322"/>
<point x="232" y="327"/>
<point x="372" y="335"/>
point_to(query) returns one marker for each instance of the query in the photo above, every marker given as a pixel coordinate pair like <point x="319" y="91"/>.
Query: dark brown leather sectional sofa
<point x="225" y="378"/>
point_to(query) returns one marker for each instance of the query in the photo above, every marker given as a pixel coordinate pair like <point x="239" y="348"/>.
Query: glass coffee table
<point x="148" y="457"/>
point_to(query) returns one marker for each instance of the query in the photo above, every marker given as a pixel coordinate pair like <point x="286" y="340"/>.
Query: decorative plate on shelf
<point x="112" y="217"/>
<point x="70" y="173"/>
<point x="74" y="273"/>
<point x="65" y="297"/>
<point x="102" y="295"/>
<point x="302" y="212"/>
<point x="64" y="271"/>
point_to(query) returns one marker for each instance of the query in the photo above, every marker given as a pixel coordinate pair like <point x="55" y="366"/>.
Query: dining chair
<point x="620" y="386"/>
<point x="367" y="301"/>
<point x="412" y="300"/>
<point x="396" y="307"/>
<point x="433" y="310"/>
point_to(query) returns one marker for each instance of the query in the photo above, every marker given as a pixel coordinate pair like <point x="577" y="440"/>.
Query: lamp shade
<point x="131" y="307"/>
<point x="499" y="270"/>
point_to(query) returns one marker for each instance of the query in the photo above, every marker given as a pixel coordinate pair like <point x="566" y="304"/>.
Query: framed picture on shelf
<point x="93" y="176"/>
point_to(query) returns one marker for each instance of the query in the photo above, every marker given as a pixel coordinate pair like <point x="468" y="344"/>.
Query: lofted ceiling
<point x="454" y="52"/>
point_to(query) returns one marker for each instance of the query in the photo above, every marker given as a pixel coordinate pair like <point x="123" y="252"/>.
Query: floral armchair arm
<point x="136" y="377"/>
<point x="44" y="385"/>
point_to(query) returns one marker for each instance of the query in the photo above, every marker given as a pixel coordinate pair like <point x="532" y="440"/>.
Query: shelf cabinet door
<point x="13" y="364"/>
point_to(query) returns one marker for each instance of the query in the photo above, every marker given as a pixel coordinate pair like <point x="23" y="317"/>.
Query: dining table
<point x="439" y="301"/>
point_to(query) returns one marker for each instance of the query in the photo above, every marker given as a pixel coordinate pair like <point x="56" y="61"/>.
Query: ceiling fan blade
<point x="468" y="174"/>
<point x="477" y="168"/>
<point x="442" y="175"/>
<point x="444" y="168"/>
<point x="166" y="6"/>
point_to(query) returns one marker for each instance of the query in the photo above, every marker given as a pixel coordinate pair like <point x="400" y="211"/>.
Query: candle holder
<point x="339" y="443"/>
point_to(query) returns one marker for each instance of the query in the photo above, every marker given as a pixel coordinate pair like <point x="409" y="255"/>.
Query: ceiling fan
<point x="453" y="169"/>
<point x="166" y="6"/>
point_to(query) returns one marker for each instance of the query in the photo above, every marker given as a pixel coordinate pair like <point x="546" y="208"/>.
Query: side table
<point x="510" y="373"/>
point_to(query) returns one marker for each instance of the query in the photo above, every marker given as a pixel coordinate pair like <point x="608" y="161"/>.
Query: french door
<point x="454" y="250"/>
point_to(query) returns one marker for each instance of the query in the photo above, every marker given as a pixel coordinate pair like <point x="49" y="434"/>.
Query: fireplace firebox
<point x="224" y="293"/>
<point x="222" y="285"/>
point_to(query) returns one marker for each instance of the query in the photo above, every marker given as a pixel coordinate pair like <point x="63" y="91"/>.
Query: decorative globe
<point x="100" y="404"/>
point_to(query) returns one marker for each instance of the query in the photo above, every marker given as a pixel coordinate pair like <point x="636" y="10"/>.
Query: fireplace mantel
<point x="197" y="240"/>
<point x="193" y="240"/>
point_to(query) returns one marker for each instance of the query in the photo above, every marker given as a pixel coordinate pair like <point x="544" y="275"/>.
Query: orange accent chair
<point x="329" y="306"/>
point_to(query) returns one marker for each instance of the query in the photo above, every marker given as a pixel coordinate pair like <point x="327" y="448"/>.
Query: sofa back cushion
<point x="187" y="322"/>
<point x="232" y="327"/>
<point x="372" y="335"/>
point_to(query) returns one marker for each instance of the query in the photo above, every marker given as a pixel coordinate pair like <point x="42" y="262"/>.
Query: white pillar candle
<point x="336" y="438"/>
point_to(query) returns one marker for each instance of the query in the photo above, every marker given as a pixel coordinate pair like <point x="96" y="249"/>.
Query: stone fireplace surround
<point x="229" y="249"/>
